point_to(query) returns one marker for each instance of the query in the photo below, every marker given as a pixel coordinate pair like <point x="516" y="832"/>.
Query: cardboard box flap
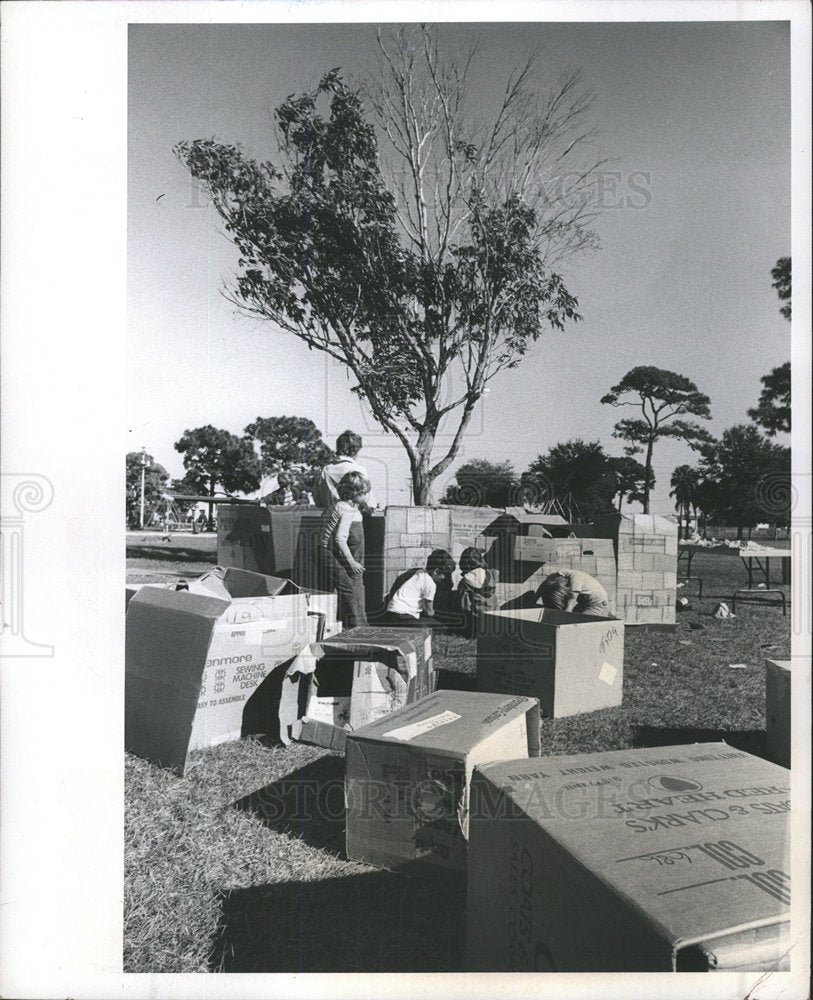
<point x="167" y="638"/>
<point x="449" y="722"/>
<point x="177" y="601"/>
<point x="693" y="838"/>
<point x="547" y="616"/>
<point x="245" y="583"/>
<point x="168" y="633"/>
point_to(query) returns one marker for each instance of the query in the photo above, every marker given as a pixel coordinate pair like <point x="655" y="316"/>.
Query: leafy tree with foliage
<point x="750" y="477"/>
<point x="480" y="483"/>
<point x="781" y="282"/>
<point x="662" y="397"/>
<point x="773" y="410"/>
<point x="290" y="444"/>
<point x="685" y="482"/>
<point x="216" y="458"/>
<point x="630" y="479"/>
<point x="156" y="478"/>
<point x="409" y="239"/>
<point x="579" y="470"/>
<point x="772" y="413"/>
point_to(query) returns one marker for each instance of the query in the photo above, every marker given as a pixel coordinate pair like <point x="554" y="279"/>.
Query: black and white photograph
<point x="424" y="379"/>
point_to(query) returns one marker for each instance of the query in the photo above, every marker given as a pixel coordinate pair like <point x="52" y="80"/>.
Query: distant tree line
<point x="741" y="479"/>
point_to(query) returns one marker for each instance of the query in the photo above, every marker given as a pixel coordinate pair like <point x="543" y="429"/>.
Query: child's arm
<point x="428" y="597"/>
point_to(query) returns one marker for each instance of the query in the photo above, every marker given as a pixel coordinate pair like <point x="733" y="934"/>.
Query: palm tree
<point x="684" y="483"/>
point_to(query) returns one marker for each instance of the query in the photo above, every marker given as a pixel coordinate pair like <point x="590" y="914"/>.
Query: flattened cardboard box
<point x="192" y="662"/>
<point x="777" y="711"/>
<point x="571" y="663"/>
<point x="352" y="679"/>
<point x="660" y="859"/>
<point x="407" y="776"/>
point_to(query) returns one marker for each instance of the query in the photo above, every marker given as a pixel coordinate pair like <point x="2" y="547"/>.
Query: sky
<point x="696" y="119"/>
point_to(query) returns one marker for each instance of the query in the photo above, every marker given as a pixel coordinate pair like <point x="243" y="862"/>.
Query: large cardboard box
<point x="407" y="776"/>
<point x="777" y="710"/>
<point x="351" y="679"/>
<point x="192" y="661"/>
<point x="571" y="663"/>
<point x="662" y="859"/>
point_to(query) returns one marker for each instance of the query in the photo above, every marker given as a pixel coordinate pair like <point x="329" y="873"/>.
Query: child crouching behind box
<point x="412" y="603"/>
<point x="475" y="590"/>
<point x="574" y="591"/>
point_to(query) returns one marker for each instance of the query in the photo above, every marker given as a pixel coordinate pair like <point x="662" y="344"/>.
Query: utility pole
<point x="143" y="470"/>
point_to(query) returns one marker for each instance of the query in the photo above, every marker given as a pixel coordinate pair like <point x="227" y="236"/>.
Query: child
<point x="475" y="590"/>
<point x="341" y="549"/>
<point x="573" y="590"/>
<point x="412" y="603"/>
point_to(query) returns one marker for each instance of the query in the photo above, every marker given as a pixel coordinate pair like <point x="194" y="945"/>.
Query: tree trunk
<point x="421" y="482"/>
<point x="647" y="474"/>
<point x="420" y="464"/>
<point x="211" y="524"/>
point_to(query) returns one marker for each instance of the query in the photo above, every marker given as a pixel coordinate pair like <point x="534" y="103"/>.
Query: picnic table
<point x="757" y="559"/>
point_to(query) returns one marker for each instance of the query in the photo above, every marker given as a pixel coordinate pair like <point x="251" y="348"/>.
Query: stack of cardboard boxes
<point x="410" y="534"/>
<point x="646" y="556"/>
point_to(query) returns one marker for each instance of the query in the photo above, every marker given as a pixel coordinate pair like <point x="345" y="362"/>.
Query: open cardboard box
<point x="348" y="680"/>
<point x="660" y="859"/>
<point x="407" y="776"/>
<point x="192" y="661"/>
<point x="571" y="663"/>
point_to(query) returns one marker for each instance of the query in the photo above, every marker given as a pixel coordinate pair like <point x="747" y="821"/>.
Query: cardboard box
<point x="777" y="710"/>
<point x="352" y="679"/>
<point x="193" y="661"/>
<point x="660" y="859"/>
<point x="571" y="663"/>
<point x="237" y="586"/>
<point x="407" y="776"/>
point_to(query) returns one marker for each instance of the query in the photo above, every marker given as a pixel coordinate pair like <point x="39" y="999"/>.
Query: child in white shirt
<point x="413" y="602"/>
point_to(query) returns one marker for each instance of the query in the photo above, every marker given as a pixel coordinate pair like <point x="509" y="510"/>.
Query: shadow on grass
<point x="307" y="804"/>
<point x="455" y="680"/>
<point x="375" y="921"/>
<point x="748" y="740"/>
<point x="170" y="554"/>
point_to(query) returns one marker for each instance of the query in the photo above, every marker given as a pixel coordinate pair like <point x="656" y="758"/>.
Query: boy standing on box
<point x="326" y="490"/>
<point x="574" y="590"/>
<point x="413" y="603"/>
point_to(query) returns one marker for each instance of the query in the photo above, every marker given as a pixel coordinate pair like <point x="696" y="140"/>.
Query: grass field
<point x="240" y="866"/>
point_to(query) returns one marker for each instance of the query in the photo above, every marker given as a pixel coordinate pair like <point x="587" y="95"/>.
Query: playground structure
<point x="180" y="512"/>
